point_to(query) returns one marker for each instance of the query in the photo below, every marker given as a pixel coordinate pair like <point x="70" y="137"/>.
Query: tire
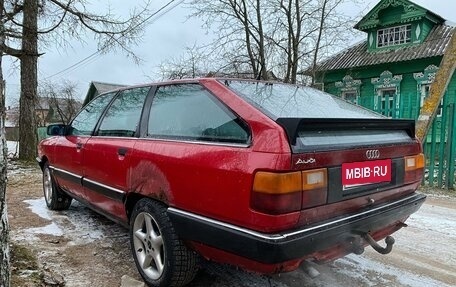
<point x="55" y="198"/>
<point x="161" y="257"/>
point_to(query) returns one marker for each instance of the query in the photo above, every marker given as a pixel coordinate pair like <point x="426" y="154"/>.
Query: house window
<point x="424" y="93"/>
<point x="388" y="102"/>
<point x="394" y="36"/>
<point x="350" y="97"/>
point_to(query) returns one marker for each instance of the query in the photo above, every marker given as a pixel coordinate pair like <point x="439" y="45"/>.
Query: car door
<point x="69" y="150"/>
<point x="193" y="152"/>
<point x="107" y="153"/>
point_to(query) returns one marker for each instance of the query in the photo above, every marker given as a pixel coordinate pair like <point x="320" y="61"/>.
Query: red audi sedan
<point x="261" y="175"/>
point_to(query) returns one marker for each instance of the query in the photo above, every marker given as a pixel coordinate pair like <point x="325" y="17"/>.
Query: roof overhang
<point x="412" y="12"/>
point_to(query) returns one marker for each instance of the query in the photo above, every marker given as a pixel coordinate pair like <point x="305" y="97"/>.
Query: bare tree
<point x="278" y="37"/>
<point x="28" y="21"/>
<point x="192" y="63"/>
<point x="334" y="29"/>
<point x="238" y="21"/>
<point x="58" y="103"/>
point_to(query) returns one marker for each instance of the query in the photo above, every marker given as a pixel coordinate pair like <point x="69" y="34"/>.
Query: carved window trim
<point x="349" y="86"/>
<point x="423" y="79"/>
<point x="394" y="36"/>
<point x="387" y="81"/>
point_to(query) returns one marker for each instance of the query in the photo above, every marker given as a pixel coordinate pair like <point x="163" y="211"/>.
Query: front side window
<point x="189" y="112"/>
<point x="394" y="36"/>
<point x="122" y="117"/>
<point x="84" y="123"/>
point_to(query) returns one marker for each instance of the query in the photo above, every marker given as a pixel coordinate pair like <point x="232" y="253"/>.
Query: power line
<point x="77" y="63"/>
<point x="97" y="53"/>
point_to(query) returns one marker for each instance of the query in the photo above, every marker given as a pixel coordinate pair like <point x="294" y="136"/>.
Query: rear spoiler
<point x="293" y="125"/>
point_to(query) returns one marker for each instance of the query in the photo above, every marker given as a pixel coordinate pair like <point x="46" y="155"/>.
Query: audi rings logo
<point x="373" y="154"/>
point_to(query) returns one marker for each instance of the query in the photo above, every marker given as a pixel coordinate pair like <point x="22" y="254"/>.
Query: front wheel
<point x="161" y="257"/>
<point x="55" y="198"/>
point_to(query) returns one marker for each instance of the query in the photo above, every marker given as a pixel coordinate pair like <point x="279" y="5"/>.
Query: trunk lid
<point x="362" y="156"/>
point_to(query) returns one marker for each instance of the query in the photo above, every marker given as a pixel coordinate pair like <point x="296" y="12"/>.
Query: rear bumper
<point x="294" y="244"/>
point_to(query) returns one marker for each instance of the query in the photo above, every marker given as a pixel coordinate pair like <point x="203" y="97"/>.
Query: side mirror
<point x="56" y="130"/>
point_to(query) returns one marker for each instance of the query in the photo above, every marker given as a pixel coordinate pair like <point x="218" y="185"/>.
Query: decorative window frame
<point x="427" y="77"/>
<point x="387" y="81"/>
<point x="349" y="85"/>
<point x="394" y="36"/>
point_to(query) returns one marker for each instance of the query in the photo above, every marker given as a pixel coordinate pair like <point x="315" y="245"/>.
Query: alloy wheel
<point x="148" y="245"/>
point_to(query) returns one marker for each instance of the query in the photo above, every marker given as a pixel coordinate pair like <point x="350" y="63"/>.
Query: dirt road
<point x="80" y="248"/>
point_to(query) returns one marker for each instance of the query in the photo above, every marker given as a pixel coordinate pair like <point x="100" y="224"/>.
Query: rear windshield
<point x="294" y="101"/>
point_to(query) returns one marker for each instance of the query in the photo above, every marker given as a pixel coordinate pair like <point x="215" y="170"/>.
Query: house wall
<point x="409" y="99"/>
<point x="440" y="143"/>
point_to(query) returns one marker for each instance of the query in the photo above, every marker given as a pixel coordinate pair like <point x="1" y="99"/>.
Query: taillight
<point x="314" y="187"/>
<point x="413" y="167"/>
<point x="276" y="193"/>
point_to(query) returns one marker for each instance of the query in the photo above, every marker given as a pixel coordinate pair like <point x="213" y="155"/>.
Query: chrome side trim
<point x="290" y="234"/>
<point x="64" y="171"/>
<point x="88" y="180"/>
<point x="104" y="186"/>
<point x="199" y="142"/>
<point x="227" y="225"/>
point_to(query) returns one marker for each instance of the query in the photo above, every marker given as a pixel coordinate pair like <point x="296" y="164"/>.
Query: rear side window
<point x="189" y="112"/>
<point x="84" y="123"/>
<point x="122" y="117"/>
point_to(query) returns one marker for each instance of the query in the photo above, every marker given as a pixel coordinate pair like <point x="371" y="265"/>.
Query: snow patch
<point x="38" y="206"/>
<point x="13" y="148"/>
<point x="50" y="229"/>
<point x="362" y="268"/>
<point x="438" y="220"/>
<point x="77" y="224"/>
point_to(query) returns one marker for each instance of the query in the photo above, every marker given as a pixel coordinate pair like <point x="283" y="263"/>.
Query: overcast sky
<point x="164" y="38"/>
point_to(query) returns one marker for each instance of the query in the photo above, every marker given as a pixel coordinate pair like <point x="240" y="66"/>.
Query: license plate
<point x="366" y="172"/>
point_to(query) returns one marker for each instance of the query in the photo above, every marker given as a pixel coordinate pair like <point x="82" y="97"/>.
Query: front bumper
<point x="295" y="244"/>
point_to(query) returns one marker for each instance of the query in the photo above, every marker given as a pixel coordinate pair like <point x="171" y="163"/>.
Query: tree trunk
<point x="29" y="82"/>
<point x="261" y="48"/>
<point x="317" y="45"/>
<point x="295" y="38"/>
<point x="4" y="227"/>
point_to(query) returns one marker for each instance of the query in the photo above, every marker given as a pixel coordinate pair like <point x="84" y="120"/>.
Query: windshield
<point x="294" y="101"/>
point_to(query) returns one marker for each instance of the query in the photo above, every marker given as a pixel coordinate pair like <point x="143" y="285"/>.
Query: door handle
<point x="122" y="151"/>
<point x="78" y="145"/>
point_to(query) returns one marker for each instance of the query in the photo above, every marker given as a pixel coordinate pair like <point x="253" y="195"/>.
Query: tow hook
<point x="389" y="240"/>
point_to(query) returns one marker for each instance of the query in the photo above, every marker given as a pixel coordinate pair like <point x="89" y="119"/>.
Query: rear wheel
<point x="55" y="198"/>
<point x="161" y="257"/>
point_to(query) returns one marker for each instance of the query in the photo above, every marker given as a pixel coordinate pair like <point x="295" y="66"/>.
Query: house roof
<point x="96" y="88"/>
<point x="412" y="12"/>
<point x="359" y="56"/>
<point x="106" y="87"/>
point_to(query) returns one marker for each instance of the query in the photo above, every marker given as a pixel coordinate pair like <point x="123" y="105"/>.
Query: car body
<point x="256" y="174"/>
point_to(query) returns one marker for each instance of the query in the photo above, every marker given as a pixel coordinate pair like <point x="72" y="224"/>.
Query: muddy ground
<point x="81" y="248"/>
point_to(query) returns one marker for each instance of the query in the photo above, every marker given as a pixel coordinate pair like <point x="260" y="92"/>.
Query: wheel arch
<point x="133" y="197"/>
<point x="42" y="162"/>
